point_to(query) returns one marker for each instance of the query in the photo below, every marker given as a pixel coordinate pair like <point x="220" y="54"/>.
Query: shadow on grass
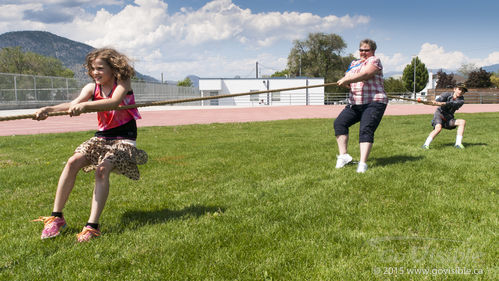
<point x="451" y="145"/>
<point x="467" y="144"/>
<point x="136" y="219"/>
<point x="396" y="159"/>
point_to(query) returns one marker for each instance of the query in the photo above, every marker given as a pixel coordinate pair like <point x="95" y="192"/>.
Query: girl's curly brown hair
<point x="119" y="63"/>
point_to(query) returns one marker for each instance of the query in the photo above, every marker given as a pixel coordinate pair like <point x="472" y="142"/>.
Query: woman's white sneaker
<point x="342" y="160"/>
<point x="362" y="167"/>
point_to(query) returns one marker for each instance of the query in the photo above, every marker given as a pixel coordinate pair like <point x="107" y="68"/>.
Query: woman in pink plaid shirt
<point x="367" y="104"/>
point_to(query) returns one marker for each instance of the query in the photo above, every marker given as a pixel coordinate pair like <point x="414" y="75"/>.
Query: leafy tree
<point x="393" y="85"/>
<point x="185" y="83"/>
<point x="467" y="68"/>
<point x="319" y="56"/>
<point x="445" y="81"/>
<point x="479" y="79"/>
<point x="14" y="60"/>
<point x="421" y="75"/>
<point x="283" y="73"/>
<point x="495" y="79"/>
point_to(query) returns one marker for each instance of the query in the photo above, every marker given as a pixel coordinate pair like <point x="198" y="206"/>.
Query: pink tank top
<point x="114" y="118"/>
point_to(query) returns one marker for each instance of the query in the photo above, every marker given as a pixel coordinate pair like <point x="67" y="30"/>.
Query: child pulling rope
<point x="112" y="149"/>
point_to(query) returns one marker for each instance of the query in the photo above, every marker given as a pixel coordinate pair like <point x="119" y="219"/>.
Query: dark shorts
<point x="448" y="123"/>
<point x="369" y="116"/>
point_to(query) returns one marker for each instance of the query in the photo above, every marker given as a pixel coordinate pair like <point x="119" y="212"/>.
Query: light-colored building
<point x="225" y="86"/>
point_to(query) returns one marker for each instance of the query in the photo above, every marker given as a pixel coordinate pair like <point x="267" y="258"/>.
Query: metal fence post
<point x="306" y="95"/>
<point x="34" y="87"/>
<point x="15" y="87"/>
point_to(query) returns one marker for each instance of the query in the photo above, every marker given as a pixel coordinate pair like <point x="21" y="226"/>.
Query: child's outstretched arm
<point x="119" y="94"/>
<point x="85" y="95"/>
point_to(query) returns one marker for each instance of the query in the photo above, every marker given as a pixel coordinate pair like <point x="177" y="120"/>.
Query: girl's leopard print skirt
<point x="124" y="156"/>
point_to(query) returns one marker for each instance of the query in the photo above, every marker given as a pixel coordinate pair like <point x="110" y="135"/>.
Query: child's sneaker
<point x="87" y="233"/>
<point x="424" y="146"/>
<point x="459" y="146"/>
<point x="53" y="226"/>
<point x="343" y="160"/>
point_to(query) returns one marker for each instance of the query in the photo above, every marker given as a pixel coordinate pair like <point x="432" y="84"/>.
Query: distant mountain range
<point x="491" y="68"/>
<point x="71" y="53"/>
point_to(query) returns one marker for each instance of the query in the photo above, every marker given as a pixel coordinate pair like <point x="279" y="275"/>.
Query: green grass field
<point x="263" y="201"/>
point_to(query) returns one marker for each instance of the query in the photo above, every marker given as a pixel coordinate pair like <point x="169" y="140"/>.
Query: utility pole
<point x="300" y="66"/>
<point x="414" y="82"/>
<point x="268" y="94"/>
<point x="256" y="70"/>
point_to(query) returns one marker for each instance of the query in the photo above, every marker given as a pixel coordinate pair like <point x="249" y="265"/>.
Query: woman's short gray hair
<point x="371" y="43"/>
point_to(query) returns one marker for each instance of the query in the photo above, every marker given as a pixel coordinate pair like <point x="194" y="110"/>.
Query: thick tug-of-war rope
<point x="155" y="103"/>
<point x="419" y="100"/>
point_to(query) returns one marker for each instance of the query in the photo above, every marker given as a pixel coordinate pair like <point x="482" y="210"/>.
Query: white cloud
<point x="11" y="16"/>
<point x="436" y="57"/>
<point x="133" y="27"/>
<point x="397" y="62"/>
<point x="211" y="65"/>
<point x="491" y="59"/>
<point x="148" y="21"/>
<point x="185" y="42"/>
<point x="73" y="3"/>
<point x="218" y="39"/>
<point x="42" y="12"/>
<point x="146" y="30"/>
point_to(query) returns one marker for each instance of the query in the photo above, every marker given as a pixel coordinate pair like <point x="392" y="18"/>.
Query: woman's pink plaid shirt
<point x="371" y="90"/>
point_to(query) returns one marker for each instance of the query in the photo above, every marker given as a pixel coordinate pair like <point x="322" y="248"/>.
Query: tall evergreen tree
<point x="416" y="70"/>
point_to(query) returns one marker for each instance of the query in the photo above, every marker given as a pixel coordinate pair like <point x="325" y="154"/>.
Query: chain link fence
<point x="147" y="91"/>
<point x="21" y="91"/>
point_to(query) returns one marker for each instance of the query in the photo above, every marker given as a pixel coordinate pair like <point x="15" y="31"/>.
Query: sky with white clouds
<point x="225" y="38"/>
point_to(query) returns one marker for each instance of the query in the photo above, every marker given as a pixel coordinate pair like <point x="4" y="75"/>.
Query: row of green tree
<point x="474" y="78"/>
<point x="320" y="55"/>
<point x="14" y="60"/>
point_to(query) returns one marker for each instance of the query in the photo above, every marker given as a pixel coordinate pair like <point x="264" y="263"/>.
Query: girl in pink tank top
<point x="114" y="118"/>
<point x="112" y="149"/>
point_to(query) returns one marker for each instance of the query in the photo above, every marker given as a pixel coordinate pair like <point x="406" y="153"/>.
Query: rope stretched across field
<point x="408" y="99"/>
<point x="155" y="103"/>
